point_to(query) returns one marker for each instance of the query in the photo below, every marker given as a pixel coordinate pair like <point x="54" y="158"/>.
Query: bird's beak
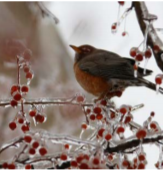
<point x="76" y="49"/>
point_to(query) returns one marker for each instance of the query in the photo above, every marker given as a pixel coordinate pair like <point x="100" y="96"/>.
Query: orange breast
<point x="92" y="84"/>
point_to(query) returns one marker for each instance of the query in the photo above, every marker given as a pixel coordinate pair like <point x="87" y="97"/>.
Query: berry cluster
<point x="35" y="146"/>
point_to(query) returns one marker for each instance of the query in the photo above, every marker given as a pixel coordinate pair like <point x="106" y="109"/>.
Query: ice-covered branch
<point x="56" y="139"/>
<point x="13" y="143"/>
<point x="132" y="142"/>
<point x="153" y="39"/>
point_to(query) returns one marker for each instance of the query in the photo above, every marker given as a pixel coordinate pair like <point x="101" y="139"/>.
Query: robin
<point x="106" y="74"/>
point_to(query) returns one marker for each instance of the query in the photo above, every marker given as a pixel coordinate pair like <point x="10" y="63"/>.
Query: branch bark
<point x="153" y="38"/>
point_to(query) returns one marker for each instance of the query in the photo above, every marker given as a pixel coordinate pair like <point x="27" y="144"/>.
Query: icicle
<point x="34" y="121"/>
<point x="82" y="131"/>
<point x="157" y="88"/>
<point x="28" y="82"/>
<point x="141" y="146"/>
<point x="136" y="69"/>
<point x="145" y="66"/>
<point x="120" y="160"/>
<point x="160" y="156"/>
<point x="135" y="73"/>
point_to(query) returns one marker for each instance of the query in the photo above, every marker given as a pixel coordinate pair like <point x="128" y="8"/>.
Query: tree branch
<point x="133" y="142"/>
<point x="153" y="39"/>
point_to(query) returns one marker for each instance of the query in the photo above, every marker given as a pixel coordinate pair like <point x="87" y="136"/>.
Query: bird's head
<point x="82" y="51"/>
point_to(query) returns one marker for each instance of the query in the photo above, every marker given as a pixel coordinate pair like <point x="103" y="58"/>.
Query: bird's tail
<point x="150" y="85"/>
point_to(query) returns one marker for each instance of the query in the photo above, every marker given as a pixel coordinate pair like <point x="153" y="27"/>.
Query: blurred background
<point x="86" y="22"/>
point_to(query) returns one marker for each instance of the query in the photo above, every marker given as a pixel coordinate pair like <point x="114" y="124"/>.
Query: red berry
<point x="11" y="166"/>
<point x="114" y="26"/>
<point x="141" y="166"/>
<point x="101" y="131"/>
<point x="99" y="116"/>
<point x="28" y="166"/>
<point x="26" y="69"/>
<point x="96" y="161"/>
<point x="25" y="128"/>
<point x="13" y="103"/>
<point x="141" y="157"/>
<point x="121" y="3"/>
<point x="5" y="165"/>
<point x="12" y="125"/>
<point x="27" y="138"/>
<point x="152" y="114"/>
<point x="92" y="117"/>
<point x="133" y="52"/>
<point x="153" y="125"/>
<point x="35" y="144"/>
<point x="112" y="115"/>
<point x="29" y="75"/>
<point x="103" y="102"/>
<point x="124" y="33"/>
<point x="74" y="163"/>
<point x="127" y="119"/>
<point x="120" y="130"/>
<point x="42" y="151"/>
<point x="158" y="80"/>
<point x="32" y="113"/>
<point x="86" y="157"/>
<point x="84" y="126"/>
<point x="21" y="120"/>
<point x="17" y="96"/>
<point x="14" y="88"/>
<point x="63" y="157"/>
<point x="148" y="53"/>
<point x="110" y="157"/>
<point x="83" y="166"/>
<point x="97" y="110"/>
<point x="156" y="48"/>
<point x="67" y="146"/>
<point x="80" y="99"/>
<point x="32" y="151"/>
<point x="141" y="134"/>
<point x="79" y="158"/>
<point x="157" y="165"/>
<point x="24" y="89"/>
<point x="40" y="118"/>
<point x="139" y="57"/>
<point x="123" y="110"/>
<point x="135" y="160"/>
<point x="125" y="163"/>
<point x="108" y="137"/>
<point x="88" y="111"/>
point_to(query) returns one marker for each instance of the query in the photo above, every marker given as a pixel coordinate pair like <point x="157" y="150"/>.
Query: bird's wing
<point x="108" y="66"/>
<point x="140" y="70"/>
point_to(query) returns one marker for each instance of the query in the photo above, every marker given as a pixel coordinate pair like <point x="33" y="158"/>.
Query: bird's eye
<point x="86" y="50"/>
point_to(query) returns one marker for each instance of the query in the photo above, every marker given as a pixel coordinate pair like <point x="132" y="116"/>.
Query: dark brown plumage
<point x="103" y="73"/>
